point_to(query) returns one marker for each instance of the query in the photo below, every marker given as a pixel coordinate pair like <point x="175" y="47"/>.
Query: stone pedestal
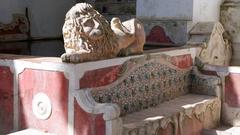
<point x="230" y="18"/>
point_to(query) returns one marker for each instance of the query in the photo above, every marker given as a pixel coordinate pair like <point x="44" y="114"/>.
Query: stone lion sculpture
<point x="88" y="36"/>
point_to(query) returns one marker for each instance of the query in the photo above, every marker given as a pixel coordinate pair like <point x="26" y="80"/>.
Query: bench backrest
<point x="144" y="82"/>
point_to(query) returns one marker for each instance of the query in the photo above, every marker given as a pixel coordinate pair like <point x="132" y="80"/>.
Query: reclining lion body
<point x="88" y="36"/>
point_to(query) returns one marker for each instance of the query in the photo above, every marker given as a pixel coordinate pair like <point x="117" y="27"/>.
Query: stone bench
<point x="152" y="96"/>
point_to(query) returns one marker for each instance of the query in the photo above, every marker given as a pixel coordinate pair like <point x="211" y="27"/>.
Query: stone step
<point x="188" y="114"/>
<point x="222" y="131"/>
<point x="30" y="132"/>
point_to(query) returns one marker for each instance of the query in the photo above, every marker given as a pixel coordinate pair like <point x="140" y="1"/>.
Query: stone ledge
<point x="171" y="51"/>
<point x="30" y="132"/>
<point x="201" y="109"/>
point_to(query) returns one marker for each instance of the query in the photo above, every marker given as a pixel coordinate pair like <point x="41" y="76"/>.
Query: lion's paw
<point x="123" y="52"/>
<point x="71" y="58"/>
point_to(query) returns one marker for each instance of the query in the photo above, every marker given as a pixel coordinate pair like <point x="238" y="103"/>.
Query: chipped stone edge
<point x="176" y="120"/>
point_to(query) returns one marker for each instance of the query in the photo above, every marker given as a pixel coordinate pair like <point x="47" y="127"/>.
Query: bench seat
<point x="152" y="96"/>
<point x="156" y="119"/>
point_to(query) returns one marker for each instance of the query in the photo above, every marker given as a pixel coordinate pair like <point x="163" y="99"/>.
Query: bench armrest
<point x="220" y="70"/>
<point x="110" y="111"/>
<point x="205" y="84"/>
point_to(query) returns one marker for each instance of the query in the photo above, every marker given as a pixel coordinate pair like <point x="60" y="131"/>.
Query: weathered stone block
<point x="186" y="115"/>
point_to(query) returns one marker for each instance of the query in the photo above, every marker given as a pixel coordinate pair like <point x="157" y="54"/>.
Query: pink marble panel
<point x="99" y="77"/>
<point x="232" y="90"/>
<point x="55" y="86"/>
<point x="6" y="100"/>
<point x="87" y="124"/>
<point x="182" y="61"/>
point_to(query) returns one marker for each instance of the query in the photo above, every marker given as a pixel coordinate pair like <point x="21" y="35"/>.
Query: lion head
<point x="87" y="31"/>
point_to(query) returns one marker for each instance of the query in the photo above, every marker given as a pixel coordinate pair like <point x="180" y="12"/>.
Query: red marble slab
<point x="6" y="100"/>
<point x="100" y="77"/>
<point x="232" y="90"/>
<point x="158" y="35"/>
<point x="55" y="86"/>
<point x="87" y="124"/>
<point x="182" y="61"/>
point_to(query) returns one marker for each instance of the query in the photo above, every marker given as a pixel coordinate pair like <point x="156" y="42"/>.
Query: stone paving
<point x="222" y="131"/>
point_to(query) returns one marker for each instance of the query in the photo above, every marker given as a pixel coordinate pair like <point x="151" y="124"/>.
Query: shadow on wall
<point x="46" y="17"/>
<point x="46" y="48"/>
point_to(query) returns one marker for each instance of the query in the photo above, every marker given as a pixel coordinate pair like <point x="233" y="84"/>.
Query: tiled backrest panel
<point x="145" y="86"/>
<point x="201" y="85"/>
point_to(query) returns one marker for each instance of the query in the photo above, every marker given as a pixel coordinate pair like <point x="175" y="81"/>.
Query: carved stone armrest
<point x="110" y="111"/>
<point x="220" y="70"/>
<point x="205" y="84"/>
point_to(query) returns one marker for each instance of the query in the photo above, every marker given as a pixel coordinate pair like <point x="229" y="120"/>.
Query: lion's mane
<point x="77" y="41"/>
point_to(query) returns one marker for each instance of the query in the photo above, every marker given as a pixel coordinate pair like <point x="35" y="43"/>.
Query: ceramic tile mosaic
<point x="145" y="86"/>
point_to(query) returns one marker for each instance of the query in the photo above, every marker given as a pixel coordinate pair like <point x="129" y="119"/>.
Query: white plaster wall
<point x="195" y="10"/>
<point x="9" y="7"/>
<point x="165" y="9"/>
<point x="47" y="16"/>
<point x="206" y="10"/>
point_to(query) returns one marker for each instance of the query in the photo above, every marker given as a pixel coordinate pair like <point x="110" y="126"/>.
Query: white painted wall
<point x="47" y="16"/>
<point x="165" y="9"/>
<point x="191" y="10"/>
<point x="206" y="10"/>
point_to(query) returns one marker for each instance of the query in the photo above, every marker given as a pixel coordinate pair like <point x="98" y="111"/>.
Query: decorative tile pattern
<point x="207" y="86"/>
<point x="145" y="86"/>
